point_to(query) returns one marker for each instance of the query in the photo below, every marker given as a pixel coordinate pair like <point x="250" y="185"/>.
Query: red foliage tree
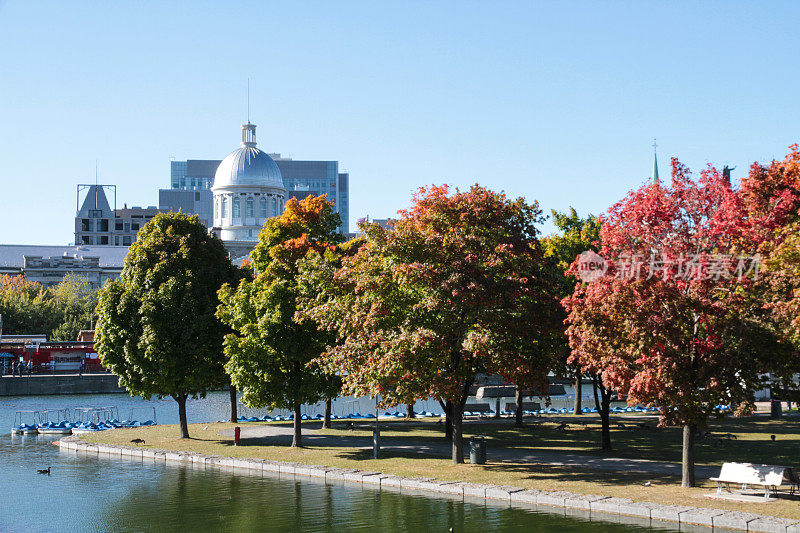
<point x="671" y="324"/>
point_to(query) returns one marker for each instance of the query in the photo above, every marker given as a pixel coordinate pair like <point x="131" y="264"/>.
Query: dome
<point x="248" y="166"/>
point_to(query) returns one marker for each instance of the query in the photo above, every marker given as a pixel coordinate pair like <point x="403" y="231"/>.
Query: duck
<point x="137" y="441"/>
<point x="44" y="471"/>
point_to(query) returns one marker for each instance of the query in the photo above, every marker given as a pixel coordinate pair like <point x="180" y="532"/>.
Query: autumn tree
<point x="156" y="326"/>
<point x="270" y="350"/>
<point x="446" y="293"/>
<point x="575" y="236"/>
<point x="770" y="201"/>
<point x="670" y="324"/>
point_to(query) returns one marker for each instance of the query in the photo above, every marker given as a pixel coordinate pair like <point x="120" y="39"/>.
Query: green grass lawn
<point x="752" y="444"/>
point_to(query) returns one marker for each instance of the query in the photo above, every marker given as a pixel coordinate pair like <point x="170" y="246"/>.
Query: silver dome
<point x="248" y="166"/>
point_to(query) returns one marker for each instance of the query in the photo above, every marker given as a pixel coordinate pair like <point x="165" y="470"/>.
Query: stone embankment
<point x="582" y="505"/>
<point x="47" y="384"/>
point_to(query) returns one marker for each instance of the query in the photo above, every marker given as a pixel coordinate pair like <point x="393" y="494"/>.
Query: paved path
<point x="273" y="434"/>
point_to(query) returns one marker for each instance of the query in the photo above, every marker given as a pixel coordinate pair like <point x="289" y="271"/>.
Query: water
<point x="87" y="493"/>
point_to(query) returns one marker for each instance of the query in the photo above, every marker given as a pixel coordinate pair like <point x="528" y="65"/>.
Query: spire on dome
<point x="248" y="135"/>
<point x="655" y="163"/>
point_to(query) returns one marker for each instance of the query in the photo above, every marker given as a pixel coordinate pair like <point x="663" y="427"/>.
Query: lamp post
<point x="376" y="434"/>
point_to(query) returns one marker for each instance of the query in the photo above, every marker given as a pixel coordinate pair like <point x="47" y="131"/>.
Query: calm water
<point x="86" y="493"/>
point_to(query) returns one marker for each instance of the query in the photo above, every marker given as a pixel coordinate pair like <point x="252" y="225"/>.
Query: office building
<point x="97" y="224"/>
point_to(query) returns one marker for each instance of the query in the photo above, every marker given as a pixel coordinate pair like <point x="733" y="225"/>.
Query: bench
<point x="770" y="477"/>
<point x="526" y="406"/>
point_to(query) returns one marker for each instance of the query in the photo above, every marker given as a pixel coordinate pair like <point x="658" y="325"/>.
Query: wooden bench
<point x="526" y="406"/>
<point x="770" y="477"/>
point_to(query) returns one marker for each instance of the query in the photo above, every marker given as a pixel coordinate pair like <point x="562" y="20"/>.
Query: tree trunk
<point x="410" y="411"/>
<point x="234" y="410"/>
<point x="297" y="441"/>
<point x="184" y="424"/>
<point x="603" y="405"/>
<point x="687" y="468"/>
<point x="457" y="438"/>
<point x="448" y="419"/>
<point x="326" y="421"/>
<point x="605" y="418"/>
<point x="518" y="413"/>
<point x="577" y="408"/>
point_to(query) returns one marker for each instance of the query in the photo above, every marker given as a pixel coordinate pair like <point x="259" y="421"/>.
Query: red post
<point x="237" y="435"/>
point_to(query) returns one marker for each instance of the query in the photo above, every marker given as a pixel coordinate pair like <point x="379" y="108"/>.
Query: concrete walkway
<point x="273" y="434"/>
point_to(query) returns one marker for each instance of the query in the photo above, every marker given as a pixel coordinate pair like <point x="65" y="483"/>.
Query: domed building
<point x="248" y="189"/>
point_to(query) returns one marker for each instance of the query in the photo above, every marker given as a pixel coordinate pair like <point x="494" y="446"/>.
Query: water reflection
<point x="192" y="499"/>
<point x="87" y="493"/>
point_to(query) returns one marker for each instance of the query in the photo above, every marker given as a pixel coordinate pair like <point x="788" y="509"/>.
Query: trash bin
<point x="477" y="450"/>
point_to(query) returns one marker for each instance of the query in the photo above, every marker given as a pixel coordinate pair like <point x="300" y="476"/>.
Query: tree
<point x="73" y="302"/>
<point x="576" y="236"/>
<point x="668" y="324"/>
<point x="270" y="349"/>
<point x="25" y="306"/>
<point x="156" y="326"/>
<point x="456" y="287"/>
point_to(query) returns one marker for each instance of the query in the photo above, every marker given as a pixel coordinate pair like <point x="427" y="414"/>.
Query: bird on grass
<point x="47" y="472"/>
<point x="646" y="484"/>
<point x="137" y="441"/>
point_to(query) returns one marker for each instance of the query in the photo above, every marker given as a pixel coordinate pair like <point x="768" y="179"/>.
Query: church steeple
<point x="655" y="163"/>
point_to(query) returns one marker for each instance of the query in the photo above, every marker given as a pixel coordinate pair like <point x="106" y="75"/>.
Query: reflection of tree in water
<point x="210" y="500"/>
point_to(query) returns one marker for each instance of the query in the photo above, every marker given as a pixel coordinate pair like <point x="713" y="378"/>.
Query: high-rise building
<point x="300" y="179"/>
<point x="96" y="223"/>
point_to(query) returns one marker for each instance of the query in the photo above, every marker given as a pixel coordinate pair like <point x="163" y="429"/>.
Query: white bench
<point x="768" y="476"/>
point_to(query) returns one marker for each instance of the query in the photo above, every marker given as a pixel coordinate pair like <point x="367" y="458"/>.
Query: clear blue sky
<point x="554" y="101"/>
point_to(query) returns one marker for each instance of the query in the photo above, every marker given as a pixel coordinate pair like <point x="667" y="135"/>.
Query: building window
<point x="103" y="239"/>
<point x="197" y="197"/>
<point x="134" y="227"/>
<point x="236" y="208"/>
<point x="118" y="226"/>
<point x="86" y="224"/>
<point x="126" y="241"/>
<point x="86" y="239"/>
<point x="249" y="208"/>
<point x="275" y="207"/>
<point x="95" y="213"/>
<point x="224" y="207"/>
<point x="263" y="207"/>
<point x="102" y="225"/>
<point x="116" y="241"/>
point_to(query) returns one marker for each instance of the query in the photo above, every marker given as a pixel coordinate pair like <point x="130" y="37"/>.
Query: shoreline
<point x="580" y="505"/>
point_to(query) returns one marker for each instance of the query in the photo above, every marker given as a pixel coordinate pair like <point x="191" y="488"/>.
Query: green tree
<point x="25" y="306"/>
<point x="576" y="235"/>
<point x="270" y="349"/>
<point x="156" y="327"/>
<point x="73" y="302"/>
<point x="450" y="291"/>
